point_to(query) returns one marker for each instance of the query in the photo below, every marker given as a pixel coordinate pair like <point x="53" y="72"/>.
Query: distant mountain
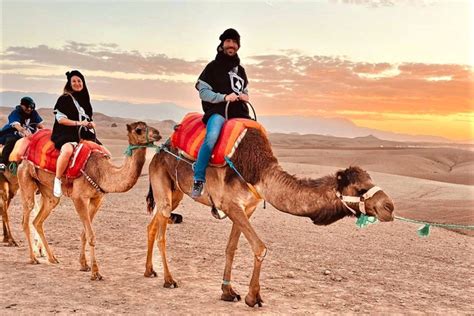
<point x="339" y="127"/>
<point x="160" y="111"/>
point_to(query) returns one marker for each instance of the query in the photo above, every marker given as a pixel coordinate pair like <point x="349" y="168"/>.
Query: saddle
<point x="189" y="136"/>
<point x="42" y="153"/>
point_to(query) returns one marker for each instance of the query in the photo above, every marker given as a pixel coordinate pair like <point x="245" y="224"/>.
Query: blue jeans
<point x="213" y="130"/>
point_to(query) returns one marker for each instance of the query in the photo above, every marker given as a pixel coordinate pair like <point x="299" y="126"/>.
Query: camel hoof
<point x="34" y="261"/>
<point x="230" y="297"/>
<point x="253" y="301"/>
<point x="53" y="260"/>
<point x="85" y="268"/>
<point x="12" y="243"/>
<point x="170" y="285"/>
<point x="96" y="276"/>
<point x="150" y="273"/>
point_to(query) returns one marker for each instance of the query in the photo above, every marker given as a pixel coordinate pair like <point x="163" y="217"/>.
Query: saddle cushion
<point x="189" y="136"/>
<point x="42" y="153"/>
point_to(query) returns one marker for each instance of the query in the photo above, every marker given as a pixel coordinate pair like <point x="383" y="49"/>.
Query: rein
<point x="247" y="103"/>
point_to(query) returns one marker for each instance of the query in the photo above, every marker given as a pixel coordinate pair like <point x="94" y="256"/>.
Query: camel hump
<point x="189" y="134"/>
<point x="42" y="153"/>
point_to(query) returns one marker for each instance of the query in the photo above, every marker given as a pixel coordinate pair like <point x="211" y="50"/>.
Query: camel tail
<point x="150" y="200"/>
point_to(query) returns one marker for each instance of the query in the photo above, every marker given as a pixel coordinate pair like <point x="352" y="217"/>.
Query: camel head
<point x="141" y="134"/>
<point x="354" y="186"/>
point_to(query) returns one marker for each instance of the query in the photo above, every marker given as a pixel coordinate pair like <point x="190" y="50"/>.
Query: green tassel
<point x="424" y="231"/>
<point x="364" y="221"/>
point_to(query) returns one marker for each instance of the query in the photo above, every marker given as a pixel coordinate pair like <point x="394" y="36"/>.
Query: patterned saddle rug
<point x="42" y="153"/>
<point x="189" y="136"/>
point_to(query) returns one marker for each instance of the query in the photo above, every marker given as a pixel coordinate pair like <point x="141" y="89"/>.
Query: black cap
<point x="72" y="73"/>
<point x="230" y="34"/>
<point x="27" y="101"/>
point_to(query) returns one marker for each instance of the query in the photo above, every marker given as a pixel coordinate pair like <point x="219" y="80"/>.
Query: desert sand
<point x="384" y="268"/>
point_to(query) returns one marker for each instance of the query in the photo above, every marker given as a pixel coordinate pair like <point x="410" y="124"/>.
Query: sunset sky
<point x="394" y="65"/>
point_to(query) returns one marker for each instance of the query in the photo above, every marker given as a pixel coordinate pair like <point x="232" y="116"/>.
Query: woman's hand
<point x="91" y="125"/>
<point x="244" y="97"/>
<point x="231" y="97"/>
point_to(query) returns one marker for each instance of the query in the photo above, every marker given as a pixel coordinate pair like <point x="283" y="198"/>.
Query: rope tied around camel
<point x="423" y="231"/>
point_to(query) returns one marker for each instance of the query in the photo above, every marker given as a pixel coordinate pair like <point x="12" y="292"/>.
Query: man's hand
<point x="244" y="97"/>
<point x="25" y="132"/>
<point x="231" y="97"/>
<point x="83" y="123"/>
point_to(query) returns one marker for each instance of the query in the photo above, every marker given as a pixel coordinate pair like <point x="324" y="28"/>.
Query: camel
<point x="86" y="192"/>
<point x="322" y="200"/>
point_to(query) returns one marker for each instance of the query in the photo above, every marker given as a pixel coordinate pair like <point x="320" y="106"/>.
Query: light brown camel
<point x="8" y="189"/>
<point x="314" y="198"/>
<point x="85" y="197"/>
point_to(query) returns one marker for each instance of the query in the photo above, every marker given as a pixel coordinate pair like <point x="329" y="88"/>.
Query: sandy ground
<point x="384" y="268"/>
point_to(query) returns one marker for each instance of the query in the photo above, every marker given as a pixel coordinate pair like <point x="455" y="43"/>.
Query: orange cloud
<point x="280" y="84"/>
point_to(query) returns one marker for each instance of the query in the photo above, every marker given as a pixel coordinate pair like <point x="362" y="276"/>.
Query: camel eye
<point x="138" y="130"/>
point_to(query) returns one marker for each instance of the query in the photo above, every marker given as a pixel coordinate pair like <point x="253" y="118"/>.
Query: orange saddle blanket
<point x="42" y="153"/>
<point x="189" y="136"/>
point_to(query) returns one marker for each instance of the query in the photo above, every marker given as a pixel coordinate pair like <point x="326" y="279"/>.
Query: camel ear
<point x="129" y="128"/>
<point x="342" y="179"/>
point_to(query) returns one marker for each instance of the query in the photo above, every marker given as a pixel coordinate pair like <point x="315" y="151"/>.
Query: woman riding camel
<point x="72" y="111"/>
<point x="223" y="80"/>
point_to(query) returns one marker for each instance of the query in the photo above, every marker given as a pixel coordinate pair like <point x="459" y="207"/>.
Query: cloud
<point x="105" y="57"/>
<point x="285" y="83"/>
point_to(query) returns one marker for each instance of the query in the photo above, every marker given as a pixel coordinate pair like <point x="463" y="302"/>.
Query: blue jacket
<point x="18" y="116"/>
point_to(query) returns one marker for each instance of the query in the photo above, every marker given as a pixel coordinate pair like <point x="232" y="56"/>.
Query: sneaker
<point x="3" y="167"/>
<point x="198" y="187"/>
<point x="57" y="191"/>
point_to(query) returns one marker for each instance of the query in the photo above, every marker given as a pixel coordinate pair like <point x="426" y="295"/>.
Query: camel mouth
<point x="155" y="137"/>
<point x="386" y="218"/>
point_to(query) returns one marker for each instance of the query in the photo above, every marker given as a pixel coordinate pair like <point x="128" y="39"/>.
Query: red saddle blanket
<point x="189" y="136"/>
<point x="42" y="153"/>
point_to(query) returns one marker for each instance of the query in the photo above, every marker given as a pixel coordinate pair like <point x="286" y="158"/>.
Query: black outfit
<point x="64" y="134"/>
<point x="225" y="75"/>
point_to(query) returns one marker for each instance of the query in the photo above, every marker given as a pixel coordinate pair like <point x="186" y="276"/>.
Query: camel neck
<point x="314" y="198"/>
<point x="115" y="179"/>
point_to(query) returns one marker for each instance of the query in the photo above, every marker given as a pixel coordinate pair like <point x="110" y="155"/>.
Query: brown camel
<point x="87" y="199"/>
<point x="318" y="199"/>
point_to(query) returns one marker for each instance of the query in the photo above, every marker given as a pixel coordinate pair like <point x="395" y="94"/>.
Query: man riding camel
<point x="23" y="121"/>
<point x="222" y="81"/>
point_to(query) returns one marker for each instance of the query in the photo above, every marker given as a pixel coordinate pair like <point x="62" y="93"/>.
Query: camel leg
<point x="82" y="209"/>
<point x="93" y="208"/>
<point x="239" y="218"/>
<point x="28" y="201"/>
<point x="157" y="230"/>
<point x="38" y="247"/>
<point x="7" y="232"/>
<point x="5" y="235"/>
<point x="47" y="205"/>
<point x="228" y="293"/>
